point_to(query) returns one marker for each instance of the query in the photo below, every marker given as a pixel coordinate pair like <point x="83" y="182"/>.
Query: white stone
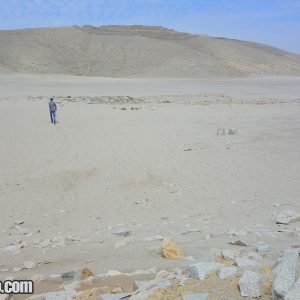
<point x="287" y="217"/>
<point x="123" y="242"/>
<point x="19" y="222"/>
<point x="250" y="285"/>
<point x="263" y="249"/>
<point x="202" y="269"/>
<point x="112" y="273"/>
<point x="153" y="238"/>
<point x="230" y="254"/>
<point x="29" y="264"/>
<point x="238" y="232"/>
<point x="121" y="231"/>
<point x="221" y="131"/>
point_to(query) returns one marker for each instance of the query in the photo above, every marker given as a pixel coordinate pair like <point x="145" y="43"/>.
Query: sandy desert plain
<point x="148" y="162"/>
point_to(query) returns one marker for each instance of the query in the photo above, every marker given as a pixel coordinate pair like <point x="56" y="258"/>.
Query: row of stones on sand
<point x="278" y="283"/>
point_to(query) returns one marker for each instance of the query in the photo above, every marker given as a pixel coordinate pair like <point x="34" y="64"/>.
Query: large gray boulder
<point x="286" y="270"/>
<point x="294" y="294"/>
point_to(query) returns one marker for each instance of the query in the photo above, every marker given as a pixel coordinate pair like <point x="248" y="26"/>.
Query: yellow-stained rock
<point x="86" y="273"/>
<point x="169" y="250"/>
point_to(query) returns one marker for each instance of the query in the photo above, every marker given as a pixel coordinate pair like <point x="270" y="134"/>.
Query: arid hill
<point x="138" y="51"/>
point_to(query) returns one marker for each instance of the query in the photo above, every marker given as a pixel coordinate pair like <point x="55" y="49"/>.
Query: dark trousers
<point x="53" y="117"/>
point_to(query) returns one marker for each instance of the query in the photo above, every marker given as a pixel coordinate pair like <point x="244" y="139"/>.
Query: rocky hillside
<point x="138" y="51"/>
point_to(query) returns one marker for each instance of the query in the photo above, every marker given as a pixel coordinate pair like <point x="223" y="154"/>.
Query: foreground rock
<point x="203" y="269"/>
<point x="250" y="285"/>
<point x="263" y="249"/>
<point x="286" y="270"/>
<point x="294" y="294"/>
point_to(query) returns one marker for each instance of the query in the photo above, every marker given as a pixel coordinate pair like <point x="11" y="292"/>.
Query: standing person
<point x="52" y="110"/>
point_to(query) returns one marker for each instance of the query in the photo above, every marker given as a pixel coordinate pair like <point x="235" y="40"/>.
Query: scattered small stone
<point x="121" y="231"/>
<point x="153" y="238"/>
<point x="232" y="131"/>
<point x="250" y="285"/>
<point x="76" y="275"/>
<point x="221" y="131"/>
<point x="123" y="242"/>
<point x="112" y="273"/>
<point x="263" y="249"/>
<point x="238" y="243"/>
<point x="19" y="222"/>
<point x="29" y="265"/>
<point x="144" y="272"/>
<point x="202" y="269"/>
<point x="229" y="254"/>
<point x="288" y="216"/>
<point x="169" y="250"/>
<point x="239" y="232"/>
<point x="191" y="231"/>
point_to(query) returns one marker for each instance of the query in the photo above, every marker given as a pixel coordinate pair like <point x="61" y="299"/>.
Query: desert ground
<point x="144" y="155"/>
